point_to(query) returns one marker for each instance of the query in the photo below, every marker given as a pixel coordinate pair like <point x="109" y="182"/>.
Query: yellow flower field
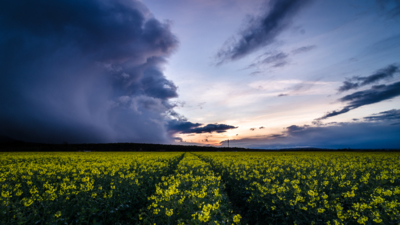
<point x="193" y="195"/>
<point x="312" y="187"/>
<point x="82" y="188"/>
<point x="200" y="188"/>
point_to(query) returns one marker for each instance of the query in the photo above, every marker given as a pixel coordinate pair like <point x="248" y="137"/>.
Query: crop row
<point x="79" y="188"/>
<point x="312" y="188"/>
<point x="193" y="195"/>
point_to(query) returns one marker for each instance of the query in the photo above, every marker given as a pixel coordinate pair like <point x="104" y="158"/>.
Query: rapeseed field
<point x="200" y="188"/>
<point x="312" y="188"/>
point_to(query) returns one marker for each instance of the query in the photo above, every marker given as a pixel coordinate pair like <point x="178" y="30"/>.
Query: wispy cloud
<point x="262" y="30"/>
<point x="393" y="114"/>
<point x="304" y="49"/>
<point x="370" y="96"/>
<point x="292" y="87"/>
<point x="382" y="74"/>
<point x="277" y="59"/>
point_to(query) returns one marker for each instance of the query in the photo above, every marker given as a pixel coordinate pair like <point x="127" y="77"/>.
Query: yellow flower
<point x="237" y="218"/>
<point x="28" y="202"/>
<point x="377" y="220"/>
<point x="362" y="220"/>
<point x="58" y="214"/>
<point x="169" y="212"/>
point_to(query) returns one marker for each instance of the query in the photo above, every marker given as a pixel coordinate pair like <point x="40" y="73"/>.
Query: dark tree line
<point x="18" y="146"/>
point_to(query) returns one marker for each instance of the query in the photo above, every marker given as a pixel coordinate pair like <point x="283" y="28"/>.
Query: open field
<point x="200" y="188"/>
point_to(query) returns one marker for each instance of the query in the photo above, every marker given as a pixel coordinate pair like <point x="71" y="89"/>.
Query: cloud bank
<point x="359" y="135"/>
<point x="84" y="71"/>
<point x="262" y="30"/>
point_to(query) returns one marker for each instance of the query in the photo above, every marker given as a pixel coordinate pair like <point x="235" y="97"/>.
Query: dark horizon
<point x="11" y="145"/>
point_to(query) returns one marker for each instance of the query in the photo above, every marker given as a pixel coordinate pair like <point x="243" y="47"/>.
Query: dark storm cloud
<point x="84" y="71"/>
<point x="361" y="135"/>
<point x="209" y="128"/>
<point x="262" y="30"/>
<point x="373" y="95"/>
<point x="303" y="49"/>
<point x="178" y="139"/>
<point x="393" y="114"/>
<point x="295" y="128"/>
<point x="182" y="126"/>
<point x="185" y="127"/>
<point x="356" y="82"/>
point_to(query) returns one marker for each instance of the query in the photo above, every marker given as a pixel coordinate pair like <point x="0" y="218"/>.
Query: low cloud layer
<point x="84" y="71"/>
<point x="382" y="74"/>
<point x="185" y="127"/>
<point x="389" y="115"/>
<point x="359" y="135"/>
<point x="262" y="30"/>
<point x="370" y="96"/>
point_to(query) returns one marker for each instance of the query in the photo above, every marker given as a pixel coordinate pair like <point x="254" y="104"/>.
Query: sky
<point x="260" y="73"/>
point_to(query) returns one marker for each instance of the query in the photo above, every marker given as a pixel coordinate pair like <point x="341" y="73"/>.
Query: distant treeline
<point x="114" y="147"/>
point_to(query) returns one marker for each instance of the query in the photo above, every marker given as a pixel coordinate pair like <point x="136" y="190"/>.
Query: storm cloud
<point x="84" y="71"/>
<point x="209" y="128"/>
<point x="262" y="30"/>
<point x="373" y="95"/>
<point x="382" y="74"/>
<point x="185" y="127"/>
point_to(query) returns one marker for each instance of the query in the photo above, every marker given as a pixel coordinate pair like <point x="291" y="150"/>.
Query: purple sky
<point x="264" y="74"/>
